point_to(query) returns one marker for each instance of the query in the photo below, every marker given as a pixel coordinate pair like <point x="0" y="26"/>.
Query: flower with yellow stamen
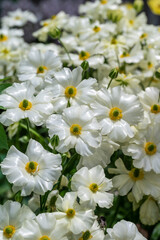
<point x="150" y="148"/>
<point x="93" y="187"/>
<point x="84" y="55"/>
<point x="115" y="113"/>
<point x="70" y="91"/>
<point x="96" y="29"/>
<point x="103" y="1"/>
<point x="45" y="237"/>
<point x="124" y="54"/>
<point x="25" y="105"/>
<point x="9" y="231"/>
<point x="76" y="129"/>
<point x="41" y="69"/>
<point x="32" y="167"/>
<point x="155" y="108"/>
<point x="70" y="213"/>
<point x="3" y="38"/>
<point x="136" y="174"/>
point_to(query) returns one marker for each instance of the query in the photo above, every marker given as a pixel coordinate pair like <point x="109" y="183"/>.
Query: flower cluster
<point x="83" y="122"/>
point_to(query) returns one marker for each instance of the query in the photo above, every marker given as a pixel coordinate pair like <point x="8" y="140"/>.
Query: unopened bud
<point x="85" y="65"/>
<point x="138" y="5"/>
<point x="55" y="33"/>
<point x="114" y="15"/>
<point x="114" y="73"/>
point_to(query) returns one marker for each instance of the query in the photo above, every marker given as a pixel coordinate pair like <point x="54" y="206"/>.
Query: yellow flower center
<point x="5" y="51"/>
<point x="25" y="105"/>
<point x="136" y="174"/>
<point x="75" y="129"/>
<point x="86" y="236"/>
<point x="155" y="108"/>
<point x="41" y="69"/>
<point x="44" y="238"/>
<point x="8" y="231"/>
<point x="31" y="167"/>
<point x="113" y="41"/>
<point x="84" y="55"/>
<point x="150" y="148"/>
<point x="3" y="38"/>
<point x="17" y="17"/>
<point x="53" y="17"/>
<point x="96" y="29"/>
<point x="150" y="65"/>
<point x="93" y="187"/>
<point x="124" y="54"/>
<point x="70" y="91"/>
<point x="131" y="22"/>
<point x="144" y="35"/>
<point x="103" y="1"/>
<point x="45" y="24"/>
<point x="115" y="114"/>
<point x="70" y="213"/>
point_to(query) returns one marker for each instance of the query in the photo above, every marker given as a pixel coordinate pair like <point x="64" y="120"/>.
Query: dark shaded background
<point x="45" y="8"/>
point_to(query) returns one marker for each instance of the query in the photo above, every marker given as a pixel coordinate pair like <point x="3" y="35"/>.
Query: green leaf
<point x="156" y="233"/>
<point x="3" y="138"/>
<point x="4" y="86"/>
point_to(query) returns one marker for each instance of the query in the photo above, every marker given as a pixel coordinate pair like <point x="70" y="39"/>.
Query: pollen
<point x="136" y="174"/>
<point x="70" y="213"/>
<point x="25" y="105"/>
<point x="103" y="1"/>
<point x="44" y="238"/>
<point x="115" y="114"/>
<point x="41" y="69"/>
<point x="70" y="91"/>
<point x="155" y="108"/>
<point x="8" y="231"/>
<point x="131" y="22"/>
<point x="93" y="187"/>
<point x="76" y="129"/>
<point x="86" y="236"/>
<point x="96" y="29"/>
<point x="113" y="41"/>
<point x="84" y="55"/>
<point x="124" y="54"/>
<point x="3" y="38"/>
<point x="150" y="65"/>
<point x="150" y="148"/>
<point x="32" y="167"/>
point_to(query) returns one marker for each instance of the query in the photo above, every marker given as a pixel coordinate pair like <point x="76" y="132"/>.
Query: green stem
<point x="109" y="83"/>
<point x="32" y="131"/>
<point x="27" y="123"/>
<point x="41" y="207"/>
<point x="65" y="49"/>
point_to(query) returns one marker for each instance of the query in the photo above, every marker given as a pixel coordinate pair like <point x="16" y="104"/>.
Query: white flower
<point x="145" y="149"/>
<point x="18" y="18"/>
<point x="150" y="101"/>
<point x="76" y="127"/>
<point x="78" y="218"/>
<point x="36" y="171"/>
<point x="124" y="230"/>
<point x="44" y="227"/>
<point x="67" y="86"/>
<point x="21" y="102"/>
<point x="37" y="66"/>
<point x="140" y="182"/>
<point x="12" y="216"/>
<point x="91" y="185"/>
<point x="94" y="233"/>
<point x="101" y="155"/>
<point x="149" y="212"/>
<point x="116" y="111"/>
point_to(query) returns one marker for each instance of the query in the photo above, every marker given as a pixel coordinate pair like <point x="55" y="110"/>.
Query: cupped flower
<point x="20" y="102"/>
<point x="136" y="180"/>
<point x="145" y="149"/>
<point x="77" y="128"/>
<point x="67" y="86"/>
<point x="92" y="186"/>
<point x="12" y="216"/>
<point x="44" y="227"/>
<point x="116" y="112"/>
<point x="150" y="101"/>
<point x="124" y="230"/>
<point x="36" y="171"/>
<point x="37" y="66"/>
<point x="78" y="218"/>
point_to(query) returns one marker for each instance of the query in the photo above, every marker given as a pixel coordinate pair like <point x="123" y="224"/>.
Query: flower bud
<point x="114" y="73"/>
<point x="114" y="15"/>
<point x="85" y="65"/>
<point x="55" y="33"/>
<point x="157" y="73"/>
<point x="138" y="5"/>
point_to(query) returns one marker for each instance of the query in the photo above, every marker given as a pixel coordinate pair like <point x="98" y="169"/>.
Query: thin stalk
<point x="27" y="123"/>
<point x="109" y="83"/>
<point x="60" y="41"/>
